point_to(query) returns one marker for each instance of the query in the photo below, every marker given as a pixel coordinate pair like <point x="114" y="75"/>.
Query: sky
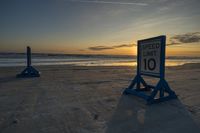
<point x="98" y="26"/>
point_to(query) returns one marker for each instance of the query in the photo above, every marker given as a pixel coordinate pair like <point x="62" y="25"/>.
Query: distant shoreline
<point x="186" y="65"/>
<point x="16" y="55"/>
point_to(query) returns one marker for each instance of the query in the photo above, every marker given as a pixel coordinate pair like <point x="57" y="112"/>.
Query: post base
<point x="162" y="88"/>
<point x="28" y="72"/>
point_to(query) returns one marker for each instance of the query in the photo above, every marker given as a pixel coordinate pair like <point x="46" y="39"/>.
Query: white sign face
<point x="149" y="54"/>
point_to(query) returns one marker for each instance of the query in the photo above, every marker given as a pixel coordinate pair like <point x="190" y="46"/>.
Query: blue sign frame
<point x="162" y="40"/>
<point x="165" y="92"/>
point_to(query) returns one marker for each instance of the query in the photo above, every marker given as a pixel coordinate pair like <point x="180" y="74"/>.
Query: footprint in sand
<point x="141" y="116"/>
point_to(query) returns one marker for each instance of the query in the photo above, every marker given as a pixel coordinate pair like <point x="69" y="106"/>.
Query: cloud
<point x="124" y="45"/>
<point x="110" y="2"/>
<point x="100" y="48"/>
<point x="192" y="37"/>
<point x="172" y="43"/>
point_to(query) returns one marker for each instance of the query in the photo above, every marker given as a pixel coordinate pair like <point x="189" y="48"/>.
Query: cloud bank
<point x="100" y="48"/>
<point x="193" y="37"/>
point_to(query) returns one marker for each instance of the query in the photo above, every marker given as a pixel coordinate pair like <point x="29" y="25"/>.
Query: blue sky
<point x="74" y="26"/>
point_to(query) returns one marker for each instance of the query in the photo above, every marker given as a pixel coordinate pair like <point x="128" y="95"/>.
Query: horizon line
<point x="181" y="56"/>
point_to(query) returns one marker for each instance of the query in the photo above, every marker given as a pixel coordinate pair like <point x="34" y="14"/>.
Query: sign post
<point x="29" y="71"/>
<point x="151" y="62"/>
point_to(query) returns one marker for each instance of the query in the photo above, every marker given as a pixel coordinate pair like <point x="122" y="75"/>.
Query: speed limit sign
<point x="151" y="56"/>
<point x="151" y="62"/>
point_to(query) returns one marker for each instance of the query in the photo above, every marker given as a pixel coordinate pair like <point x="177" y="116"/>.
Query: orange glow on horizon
<point x="176" y="50"/>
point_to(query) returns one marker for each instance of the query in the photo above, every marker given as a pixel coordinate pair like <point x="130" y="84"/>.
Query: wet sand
<point x="74" y="99"/>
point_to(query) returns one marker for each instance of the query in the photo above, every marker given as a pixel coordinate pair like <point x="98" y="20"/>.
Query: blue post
<point x="29" y="71"/>
<point x="28" y="56"/>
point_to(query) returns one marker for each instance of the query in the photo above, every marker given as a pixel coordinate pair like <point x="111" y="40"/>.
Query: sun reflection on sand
<point x="168" y="63"/>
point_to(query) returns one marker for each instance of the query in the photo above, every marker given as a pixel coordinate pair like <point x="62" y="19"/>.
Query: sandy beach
<point x="75" y="99"/>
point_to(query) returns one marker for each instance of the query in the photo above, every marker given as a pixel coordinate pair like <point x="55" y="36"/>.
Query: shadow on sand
<point x="9" y="79"/>
<point x="132" y="115"/>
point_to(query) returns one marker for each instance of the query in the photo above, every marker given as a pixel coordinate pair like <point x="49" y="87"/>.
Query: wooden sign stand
<point x="162" y="88"/>
<point x="29" y="71"/>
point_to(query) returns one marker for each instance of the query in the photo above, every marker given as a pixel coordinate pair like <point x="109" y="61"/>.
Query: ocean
<point x="10" y="59"/>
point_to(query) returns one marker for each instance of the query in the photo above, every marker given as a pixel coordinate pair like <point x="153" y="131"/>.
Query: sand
<point x="74" y="99"/>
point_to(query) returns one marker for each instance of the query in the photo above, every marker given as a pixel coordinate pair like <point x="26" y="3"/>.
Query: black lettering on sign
<point x="150" y="64"/>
